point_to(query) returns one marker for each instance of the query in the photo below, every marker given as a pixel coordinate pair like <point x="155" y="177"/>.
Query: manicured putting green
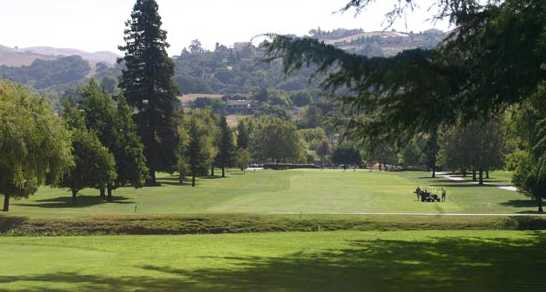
<point x="484" y="261"/>
<point x="294" y="191"/>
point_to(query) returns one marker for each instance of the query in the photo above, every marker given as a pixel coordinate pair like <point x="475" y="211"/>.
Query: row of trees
<point x="95" y="143"/>
<point x="107" y="142"/>
<point x="491" y="62"/>
<point x="108" y="152"/>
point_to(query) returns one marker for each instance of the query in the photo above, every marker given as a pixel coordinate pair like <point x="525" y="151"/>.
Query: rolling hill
<point x="18" y="57"/>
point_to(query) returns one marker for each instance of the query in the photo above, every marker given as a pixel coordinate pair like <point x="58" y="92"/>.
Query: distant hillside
<point x="45" y="74"/>
<point x="15" y="58"/>
<point x="224" y="70"/>
<point x="25" y="56"/>
<point x="379" y="43"/>
<point x="95" y="57"/>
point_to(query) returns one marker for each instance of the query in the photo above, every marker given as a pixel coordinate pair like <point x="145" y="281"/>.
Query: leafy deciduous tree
<point x="34" y="143"/>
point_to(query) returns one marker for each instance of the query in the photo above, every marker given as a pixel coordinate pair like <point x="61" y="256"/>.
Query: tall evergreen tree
<point x="197" y="149"/>
<point x="129" y="153"/>
<point x="243" y="136"/>
<point x="147" y="84"/>
<point x="226" y="146"/>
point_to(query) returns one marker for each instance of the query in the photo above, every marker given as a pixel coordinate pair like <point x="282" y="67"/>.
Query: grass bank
<point x="214" y="224"/>
<point x="484" y="261"/>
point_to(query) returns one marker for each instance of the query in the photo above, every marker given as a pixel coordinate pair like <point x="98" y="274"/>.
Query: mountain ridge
<point x="18" y="57"/>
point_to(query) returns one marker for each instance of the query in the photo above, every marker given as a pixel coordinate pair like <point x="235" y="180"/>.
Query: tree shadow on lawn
<point x="521" y="203"/>
<point x="81" y="202"/>
<point x="8" y="223"/>
<point x="441" y="264"/>
<point x="213" y="177"/>
<point x="451" y="184"/>
<point x="177" y="183"/>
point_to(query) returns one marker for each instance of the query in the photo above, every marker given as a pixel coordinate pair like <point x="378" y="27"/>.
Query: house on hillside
<point x="241" y="106"/>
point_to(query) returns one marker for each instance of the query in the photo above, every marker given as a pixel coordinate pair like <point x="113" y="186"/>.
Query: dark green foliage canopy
<point x="94" y="166"/>
<point x="113" y="124"/>
<point x="147" y="84"/>
<point x="226" y="145"/>
<point x="243" y="138"/>
<point x="129" y="151"/>
<point x="478" y="145"/>
<point x="495" y="57"/>
<point x="530" y="177"/>
<point x="47" y="74"/>
<point x="347" y="155"/>
<point x="197" y="150"/>
<point x="276" y="140"/>
<point x="530" y="174"/>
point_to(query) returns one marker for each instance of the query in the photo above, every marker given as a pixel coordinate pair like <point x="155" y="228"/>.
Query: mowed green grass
<point x="481" y="261"/>
<point x="274" y="192"/>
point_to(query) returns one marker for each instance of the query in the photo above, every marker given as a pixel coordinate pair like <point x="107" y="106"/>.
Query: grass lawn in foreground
<point x="273" y="192"/>
<point x="329" y="261"/>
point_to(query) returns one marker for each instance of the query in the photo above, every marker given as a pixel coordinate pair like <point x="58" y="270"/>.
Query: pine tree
<point x="129" y="153"/>
<point x="226" y="146"/>
<point x="243" y="136"/>
<point x="197" y="149"/>
<point x="147" y="84"/>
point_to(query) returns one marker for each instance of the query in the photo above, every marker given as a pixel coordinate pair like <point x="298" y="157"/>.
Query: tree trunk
<point x="487" y="174"/>
<point x="110" y="188"/>
<point x="102" y="193"/>
<point x="193" y="180"/>
<point x="223" y="172"/>
<point x="464" y="173"/>
<point x="74" y="193"/>
<point x="474" y="174"/>
<point x="481" y="176"/>
<point x="539" y="203"/>
<point x="212" y="170"/>
<point x="6" y="203"/>
<point x="434" y="151"/>
<point x="152" y="179"/>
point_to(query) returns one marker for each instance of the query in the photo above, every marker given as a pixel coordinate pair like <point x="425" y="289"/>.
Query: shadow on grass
<point x="8" y="223"/>
<point x="175" y="181"/>
<point x="212" y="177"/>
<point x="185" y="183"/>
<point x="81" y="202"/>
<point x="521" y="203"/>
<point x="440" y="264"/>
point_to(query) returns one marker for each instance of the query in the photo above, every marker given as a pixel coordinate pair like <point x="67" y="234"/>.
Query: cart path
<point x="506" y="187"/>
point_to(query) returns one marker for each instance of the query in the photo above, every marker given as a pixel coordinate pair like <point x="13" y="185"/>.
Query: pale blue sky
<point x="95" y="25"/>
